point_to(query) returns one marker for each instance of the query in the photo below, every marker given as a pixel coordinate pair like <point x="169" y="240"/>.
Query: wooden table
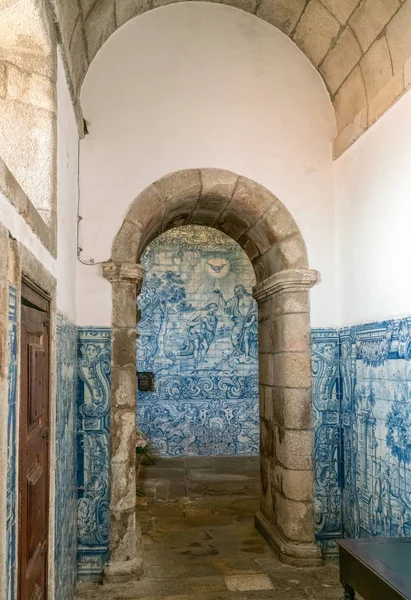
<point x="377" y="568"/>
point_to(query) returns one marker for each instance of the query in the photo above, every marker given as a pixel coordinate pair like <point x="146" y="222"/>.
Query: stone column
<point x="125" y="535"/>
<point x="286" y="516"/>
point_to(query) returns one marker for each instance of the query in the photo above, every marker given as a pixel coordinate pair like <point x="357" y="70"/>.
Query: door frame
<point x="39" y="300"/>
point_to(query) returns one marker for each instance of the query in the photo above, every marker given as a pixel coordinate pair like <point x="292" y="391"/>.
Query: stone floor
<point x="197" y="517"/>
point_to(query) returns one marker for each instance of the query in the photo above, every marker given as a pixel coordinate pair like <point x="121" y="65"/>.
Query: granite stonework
<point x="93" y="449"/>
<point x="198" y="334"/>
<point x="65" y="562"/>
<point x="12" y="447"/>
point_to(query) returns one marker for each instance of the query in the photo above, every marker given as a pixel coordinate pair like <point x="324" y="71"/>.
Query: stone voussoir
<point x="126" y="243"/>
<point x="148" y="205"/>
<point x="178" y="187"/>
<point x="217" y="183"/>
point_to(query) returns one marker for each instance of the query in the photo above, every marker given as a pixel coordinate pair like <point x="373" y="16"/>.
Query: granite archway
<point x="265" y="229"/>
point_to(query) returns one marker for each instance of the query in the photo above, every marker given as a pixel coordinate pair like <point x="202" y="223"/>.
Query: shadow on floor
<point x="197" y="519"/>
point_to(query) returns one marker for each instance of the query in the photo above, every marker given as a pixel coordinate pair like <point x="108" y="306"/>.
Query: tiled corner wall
<point x="93" y="449"/>
<point x="65" y="552"/>
<point x="11" y="448"/>
<point x="198" y="334"/>
<point x="376" y="425"/>
<point x="362" y="424"/>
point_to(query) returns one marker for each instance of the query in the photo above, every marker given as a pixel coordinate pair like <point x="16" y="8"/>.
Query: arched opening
<point x="197" y="333"/>
<point x="261" y="224"/>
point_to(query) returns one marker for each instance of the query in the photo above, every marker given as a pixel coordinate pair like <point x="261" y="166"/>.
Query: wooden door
<point x="34" y="454"/>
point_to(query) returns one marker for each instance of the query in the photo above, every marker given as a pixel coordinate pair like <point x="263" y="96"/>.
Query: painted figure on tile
<point x="202" y="327"/>
<point x="243" y="311"/>
<point x="401" y="523"/>
<point x="378" y="507"/>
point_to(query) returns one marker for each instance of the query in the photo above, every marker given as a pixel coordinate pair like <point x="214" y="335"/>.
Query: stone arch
<point x="262" y="225"/>
<point x="240" y="207"/>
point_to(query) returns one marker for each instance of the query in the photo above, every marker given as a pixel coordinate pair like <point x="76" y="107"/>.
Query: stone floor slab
<point x="248" y="583"/>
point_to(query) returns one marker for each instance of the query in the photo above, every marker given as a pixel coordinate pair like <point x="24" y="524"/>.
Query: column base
<point x="123" y="571"/>
<point x="305" y="554"/>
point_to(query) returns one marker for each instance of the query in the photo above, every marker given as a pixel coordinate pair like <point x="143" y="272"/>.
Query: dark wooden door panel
<point x="34" y="455"/>
<point x="37" y="369"/>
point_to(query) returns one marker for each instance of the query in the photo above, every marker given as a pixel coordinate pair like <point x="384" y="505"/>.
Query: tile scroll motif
<point x="198" y="333"/>
<point x="11" y="523"/>
<point x="66" y="445"/>
<point x="93" y="449"/>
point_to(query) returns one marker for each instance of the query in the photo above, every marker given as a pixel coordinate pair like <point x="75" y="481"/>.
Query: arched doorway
<point x="264" y="228"/>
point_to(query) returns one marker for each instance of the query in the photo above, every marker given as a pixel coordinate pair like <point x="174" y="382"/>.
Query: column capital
<point x="291" y="280"/>
<point x="123" y="272"/>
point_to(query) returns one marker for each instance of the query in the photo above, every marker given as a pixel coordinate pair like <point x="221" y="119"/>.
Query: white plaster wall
<point x="67" y="198"/>
<point x="373" y="181"/>
<point x="204" y="85"/>
<point x="64" y="267"/>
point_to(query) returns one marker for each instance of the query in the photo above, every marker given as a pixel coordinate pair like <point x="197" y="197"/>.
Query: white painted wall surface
<point x="19" y="229"/>
<point x="373" y="181"/>
<point x="204" y="85"/>
<point x="67" y="198"/>
<point x="64" y="267"/>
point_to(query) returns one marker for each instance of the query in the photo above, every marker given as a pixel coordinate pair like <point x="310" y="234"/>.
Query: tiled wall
<point x="198" y="333"/>
<point x="327" y="431"/>
<point x="66" y="444"/>
<point x="11" y="448"/>
<point x="362" y="424"/>
<point x="93" y="449"/>
<point x="376" y="424"/>
<point x="205" y="398"/>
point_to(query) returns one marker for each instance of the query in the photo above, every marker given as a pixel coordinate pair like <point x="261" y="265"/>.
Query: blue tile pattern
<point x="202" y="346"/>
<point x="327" y="432"/>
<point x="198" y="333"/>
<point x="65" y="565"/>
<point x="376" y="425"/>
<point x="93" y="449"/>
<point x="362" y="431"/>
<point x="11" y="447"/>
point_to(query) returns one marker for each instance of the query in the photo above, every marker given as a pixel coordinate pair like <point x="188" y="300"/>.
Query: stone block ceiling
<point x="361" y="48"/>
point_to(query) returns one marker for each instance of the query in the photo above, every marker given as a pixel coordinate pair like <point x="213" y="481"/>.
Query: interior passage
<point x="197" y="519"/>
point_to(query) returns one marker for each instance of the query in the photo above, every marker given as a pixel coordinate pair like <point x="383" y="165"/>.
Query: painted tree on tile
<point x="162" y="296"/>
